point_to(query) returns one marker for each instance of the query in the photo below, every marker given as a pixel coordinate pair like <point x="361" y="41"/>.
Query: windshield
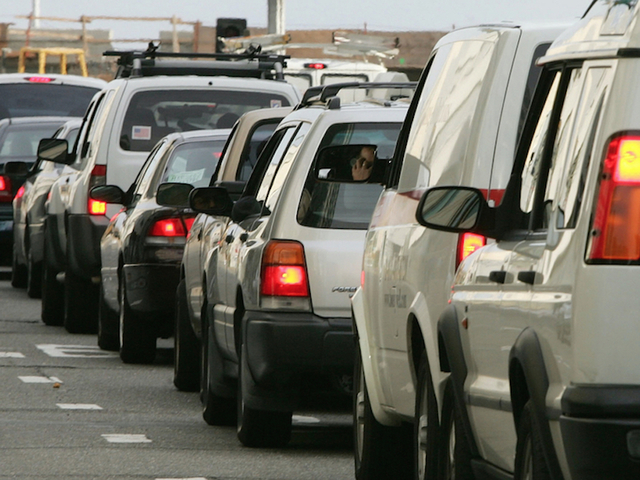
<point x="22" y="141"/>
<point x="193" y="163"/>
<point x="42" y="100"/>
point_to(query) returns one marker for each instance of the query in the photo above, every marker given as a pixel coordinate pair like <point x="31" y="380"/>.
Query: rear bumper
<point x="83" y="244"/>
<point x="6" y="226"/>
<point x="600" y="430"/>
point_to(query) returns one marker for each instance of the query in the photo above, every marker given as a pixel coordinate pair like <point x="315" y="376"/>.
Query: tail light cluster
<point x="169" y="231"/>
<point x="98" y="177"/>
<point x="284" y="280"/>
<point x="5" y="189"/>
<point x="615" y="226"/>
<point x="467" y="244"/>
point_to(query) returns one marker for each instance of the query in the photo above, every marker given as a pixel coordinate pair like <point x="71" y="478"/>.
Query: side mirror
<point x="55" y="150"/>
<point x="451" y="209"/>
<point x="349" y="164"/>
<point x="173" y="194"/>
<point x="211" y="200"/>
<point x="18" y="169"/>
<point x="233" y="187"/>
<point x="107" y="194"/>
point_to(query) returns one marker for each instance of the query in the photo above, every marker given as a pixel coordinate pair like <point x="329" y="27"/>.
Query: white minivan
<point x="541" y="339"/>
<point x="462" y="128"/>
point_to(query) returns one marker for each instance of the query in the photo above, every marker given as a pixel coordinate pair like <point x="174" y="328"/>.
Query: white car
<point x="147" y="100"/>
<point x="540" y="340"/>
<point x="462" y="128"/>
<point x="277" y="319"/>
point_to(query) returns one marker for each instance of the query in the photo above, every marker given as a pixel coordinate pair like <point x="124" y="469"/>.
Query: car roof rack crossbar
<point x="322" y="93"/>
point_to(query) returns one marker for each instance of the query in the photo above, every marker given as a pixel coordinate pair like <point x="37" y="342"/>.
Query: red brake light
<point x="615" y="228"/>
<point x="5" y="189"/>
<point x="98" y="177"/>
<point x="168" y="227"/>
<point x="188" y="222"/>
<point x="284" y="270"/>
<point x="316" y="66"/>
<point x="467" y="244"/>
<point x="20" y="192"/>
<point x="96" y="207"/>
<point x="39" y="79"/>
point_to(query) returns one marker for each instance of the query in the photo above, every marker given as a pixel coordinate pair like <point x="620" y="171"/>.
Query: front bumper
<point x="600" y="430"/>
<point x="83" y="244"/>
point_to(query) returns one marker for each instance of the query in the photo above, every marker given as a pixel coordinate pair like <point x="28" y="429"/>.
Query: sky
<point x="389" y="15"/>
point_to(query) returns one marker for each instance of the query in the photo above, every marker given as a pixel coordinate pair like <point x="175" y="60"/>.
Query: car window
<point x="39" y="99"/>
<point x="258" y="138"/>
<point x="279" y="149"/>
<point x="94" y="125"/>
<point x="147" y="171"/>
<point x="193" y="163"/>
<point x="22" y="140"/>
<point x="532" y="81"/>
<point x="153" y="114"/>
<point x="346" y="205"/>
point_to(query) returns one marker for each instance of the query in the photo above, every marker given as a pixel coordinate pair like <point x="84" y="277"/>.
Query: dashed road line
<point x="11" y="355"/>
<point x="39" y="379"/>
<point x="125" y="438"/>
<point x="79" y="406"/>
<point x="75" y="351"/>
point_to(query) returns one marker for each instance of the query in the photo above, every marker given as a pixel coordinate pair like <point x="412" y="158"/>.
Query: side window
<point x="96" y="123"/>
<point x="274" y="161"/>
<point x="87" y="122"/>
<point x="257" y="141"/>
<point x="148" y="169"/>
<point x="285" y="166"/>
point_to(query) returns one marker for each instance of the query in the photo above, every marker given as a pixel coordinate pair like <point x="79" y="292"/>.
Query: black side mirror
<point x="107" y="194"/>
<point x="451" y="209"/>
<point x="348" y="164"/>
<point x="18" y="169"/>
<point x="55" y="150"/>
<point x="173" y="194"/>
<point x="211" y="200"/>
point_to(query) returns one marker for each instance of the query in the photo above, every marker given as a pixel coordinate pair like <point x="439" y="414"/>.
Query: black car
<point x="142" y="248"/>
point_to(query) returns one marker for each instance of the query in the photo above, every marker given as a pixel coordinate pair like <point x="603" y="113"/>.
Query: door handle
<point x="498" y="276"/>
<point x="527" y="277"/>
<point x="243" y="237"/>
<point x="229" y="239"/>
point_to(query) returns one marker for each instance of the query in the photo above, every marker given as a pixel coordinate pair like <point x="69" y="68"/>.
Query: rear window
<point x="193" y="163"/>
<point x="22" y="141"/>
<point x="44" y="99"/>
<point x="152" y="115"/>
<point x="346" y="205"/>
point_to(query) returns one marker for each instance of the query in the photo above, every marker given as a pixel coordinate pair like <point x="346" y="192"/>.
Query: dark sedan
<point x="142" y="247"/>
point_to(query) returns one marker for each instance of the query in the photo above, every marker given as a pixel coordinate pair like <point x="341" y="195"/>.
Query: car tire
<point x="18" y="272"/>
<point x="34" y="276"/>
<point x="186" y="365"/>
<point x="455" y="453"/>
<point x="52" y="312"/>
<point x="108" y="326"/>
<point x="137" y="341"/>
<point x="216" y="409"/>
<point x="530" y="462"/>
<point x="425" y="437"/>
<point x="260" y="428"/>
<point x="380" y="452"/>
<point x="80" y="304"/>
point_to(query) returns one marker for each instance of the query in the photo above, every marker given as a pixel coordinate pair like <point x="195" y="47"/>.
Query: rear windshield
<point x="154" y="114"/>
<point x="44" y="99"/>
<point x="346" y="205"/>
<point x="22" y="141"/>
<point x="193" y="163"/>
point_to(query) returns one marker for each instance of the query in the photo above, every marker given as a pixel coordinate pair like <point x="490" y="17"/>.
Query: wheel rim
<point x="360" y="408"/>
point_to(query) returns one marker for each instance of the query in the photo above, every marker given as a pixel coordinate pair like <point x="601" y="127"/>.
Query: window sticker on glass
<point x="276" y="103"/>
<point x="186" y="177"/>
<point x="140" y="132"/>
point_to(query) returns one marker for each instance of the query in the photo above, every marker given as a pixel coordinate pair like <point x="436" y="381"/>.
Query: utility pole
<point x="276" y="17"/>
<point x="35" y="11"/>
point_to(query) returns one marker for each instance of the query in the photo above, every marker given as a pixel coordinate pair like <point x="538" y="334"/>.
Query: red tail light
<point x="5" y="189"/>
<point x="315" y="66"/>
<point x="20" y="192"/>
<point x="615" y="228"/>
<point x="98" y="177"/>
<point x="39" y="79"/>
<point x="467" y="244"/>
<point x="168" y="227"/>
<point x="284" y="270"/>
<point x="188" y="222"/>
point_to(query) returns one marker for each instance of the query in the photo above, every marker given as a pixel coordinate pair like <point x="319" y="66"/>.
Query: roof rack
<point x="325" y="94"/>
<point x="250" y="63"/>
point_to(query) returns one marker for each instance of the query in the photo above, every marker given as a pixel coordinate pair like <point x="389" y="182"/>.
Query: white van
<point x="541" y="339"/>
<point x="462" y="128"/>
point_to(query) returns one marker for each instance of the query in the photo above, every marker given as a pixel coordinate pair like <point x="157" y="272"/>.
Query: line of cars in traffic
<point x="477" y="238"/>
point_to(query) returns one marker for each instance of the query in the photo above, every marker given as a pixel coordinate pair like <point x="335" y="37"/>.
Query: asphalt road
<point x="71" y="411"/>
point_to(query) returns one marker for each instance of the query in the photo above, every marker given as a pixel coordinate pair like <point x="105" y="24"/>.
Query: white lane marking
<point x="303" y="419"/>
<point x="79" y="406"/>
<point x="11" y="355"/>
<point x="75" y="351"/>
<point x="125" y="438"/>
<point x="186" y="478"/>
<point x="39" y="379"/>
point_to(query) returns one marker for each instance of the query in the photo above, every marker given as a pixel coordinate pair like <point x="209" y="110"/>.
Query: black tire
<point x="530" y="463"/>
<point x="108" y="326"/>
<point x="260" y="428"/>
<point x="186" y="352"/>
<point x="380" y="452"/>
<point x="34" y="276"/>
<point x="216" y="410"/>
<point x="137" y="340"/>
<point x="80" y="304"/>
<point x="425" y="437"/>
<point x="455" y="454"/>
<point x="18" y="272"/>
<point x="52" y="312"/>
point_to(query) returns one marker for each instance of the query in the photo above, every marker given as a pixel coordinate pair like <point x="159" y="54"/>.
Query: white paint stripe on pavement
<point x="125" y="438"/>
<point x="186" y="478"/>
<point x="11" y="355"/>
<point x="39" y="379"/>
<point x="75" y="351"/>
<point x="79" y="406"/>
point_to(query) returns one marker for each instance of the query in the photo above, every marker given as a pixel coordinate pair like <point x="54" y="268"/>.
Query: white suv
<point x="462" y="128"/>
<point x="149" y="99"/>
<point x="540" y="341"/>
<point x="277" y="317"/>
